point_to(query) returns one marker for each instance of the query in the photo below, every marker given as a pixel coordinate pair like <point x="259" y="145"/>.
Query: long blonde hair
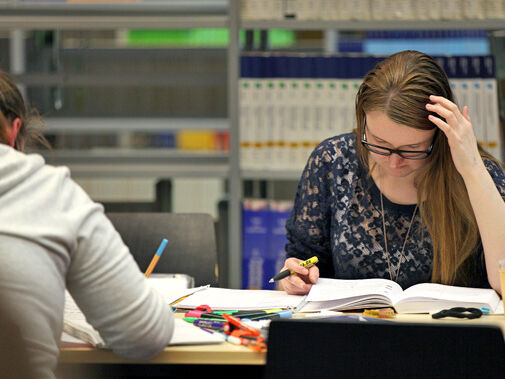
<point x="400" y="87"/>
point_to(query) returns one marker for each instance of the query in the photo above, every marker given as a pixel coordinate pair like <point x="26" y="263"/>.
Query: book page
<point x="445" y="292"/>
<point x="68" y="340"/>
<point x="335" y="289"/>
<point x="75" y="324"/>
<point x="449" y="296"/>
<point x="231" y="299"/>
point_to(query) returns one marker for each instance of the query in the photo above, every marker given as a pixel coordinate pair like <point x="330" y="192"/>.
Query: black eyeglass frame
<point x="389" y="151"/>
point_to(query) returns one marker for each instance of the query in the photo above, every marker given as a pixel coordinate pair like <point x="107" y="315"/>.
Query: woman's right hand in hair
<point x="300" y="282"/>
<point x="458" y="129"/>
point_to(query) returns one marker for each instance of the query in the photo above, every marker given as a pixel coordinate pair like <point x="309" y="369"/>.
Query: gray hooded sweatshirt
<point x="52" y="237"/>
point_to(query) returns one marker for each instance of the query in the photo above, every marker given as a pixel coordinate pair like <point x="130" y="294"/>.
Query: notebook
<point x="75" y="325"/>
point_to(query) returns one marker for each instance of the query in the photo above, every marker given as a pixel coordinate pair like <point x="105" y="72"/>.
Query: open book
<point x="339" y="294"/>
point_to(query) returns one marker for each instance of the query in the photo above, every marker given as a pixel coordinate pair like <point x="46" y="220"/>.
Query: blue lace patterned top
<point x="337" y="216"/>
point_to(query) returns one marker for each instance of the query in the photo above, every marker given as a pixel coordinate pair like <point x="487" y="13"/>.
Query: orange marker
<point x="240" y="324"/>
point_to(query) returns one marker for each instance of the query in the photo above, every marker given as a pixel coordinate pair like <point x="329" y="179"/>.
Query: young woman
<point x="52" y="237"/>
<point x="408" y="196"/>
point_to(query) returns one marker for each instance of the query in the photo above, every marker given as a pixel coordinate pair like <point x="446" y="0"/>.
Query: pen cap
<point x="162" y="246"/>
<point x="285" y="314"/>
<point x="309" y="262"/>
<point x="194" y="313"/>
<point x="212" y="324"/>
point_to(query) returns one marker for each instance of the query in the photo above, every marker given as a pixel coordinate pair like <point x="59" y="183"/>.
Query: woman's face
<point x="382" y="131"/>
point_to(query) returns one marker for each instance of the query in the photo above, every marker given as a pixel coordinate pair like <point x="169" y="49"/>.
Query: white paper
<point x="231" y="299"/>
<point x="186" y="333"/>
<point x="171" y="290"/>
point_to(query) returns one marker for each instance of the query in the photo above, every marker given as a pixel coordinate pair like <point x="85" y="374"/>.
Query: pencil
<point x="156" y="257"/>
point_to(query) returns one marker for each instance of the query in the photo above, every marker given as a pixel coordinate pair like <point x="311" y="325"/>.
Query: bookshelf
<point x="21" y="15"/>
<point x="492" y="26"/>
<point x="364" y="25"/>
<point x="18" y="18"/>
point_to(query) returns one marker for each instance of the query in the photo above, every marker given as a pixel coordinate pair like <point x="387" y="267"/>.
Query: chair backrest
<point x="330" y="349"/>
<point x="14" y="358"/>
<point x="191" y="247"/>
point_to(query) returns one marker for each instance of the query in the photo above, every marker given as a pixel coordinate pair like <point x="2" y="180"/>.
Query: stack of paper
<point x="231" y="299"/>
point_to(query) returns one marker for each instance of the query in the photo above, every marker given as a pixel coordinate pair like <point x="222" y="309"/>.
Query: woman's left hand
<point x="459" y="132"/>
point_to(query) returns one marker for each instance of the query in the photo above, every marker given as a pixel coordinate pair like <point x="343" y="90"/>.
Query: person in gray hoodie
<point x="54" y="237"/>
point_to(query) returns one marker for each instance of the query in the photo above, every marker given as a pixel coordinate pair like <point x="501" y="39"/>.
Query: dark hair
<point x="12" y="106"/>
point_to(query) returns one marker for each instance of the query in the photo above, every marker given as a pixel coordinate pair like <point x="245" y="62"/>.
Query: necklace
<point x="386" y="240"/>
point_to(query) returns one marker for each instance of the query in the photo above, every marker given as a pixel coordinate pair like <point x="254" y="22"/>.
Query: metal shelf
<point x="74" y="125"/>
<point x="360" y="25"/>
<point x="12" y="20"/>
<point x="142" y="163"/>
<point x="93" y="16"/>
<point x="119" y="80"/>
<point x="271" y="175"/>
<point x="174" y="6"/>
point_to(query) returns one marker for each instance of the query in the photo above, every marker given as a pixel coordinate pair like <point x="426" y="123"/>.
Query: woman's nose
<point x="395" y="160"/>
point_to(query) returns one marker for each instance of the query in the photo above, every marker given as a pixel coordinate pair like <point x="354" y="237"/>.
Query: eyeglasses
<point x="407" y="154"/>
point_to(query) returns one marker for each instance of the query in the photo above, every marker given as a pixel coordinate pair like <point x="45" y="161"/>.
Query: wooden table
<point x="216" y="360"/>
<point x="220" y="354"/>
<point x="226" y="353"/>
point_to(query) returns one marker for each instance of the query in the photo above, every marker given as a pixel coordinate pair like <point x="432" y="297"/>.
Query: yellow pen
<point x="283" y="274"/>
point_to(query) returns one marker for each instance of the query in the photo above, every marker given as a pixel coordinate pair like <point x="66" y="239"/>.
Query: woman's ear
<point x="12" y="131"/>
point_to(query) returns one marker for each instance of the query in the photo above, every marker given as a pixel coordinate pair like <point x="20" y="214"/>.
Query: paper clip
<point x="380" y="313"/>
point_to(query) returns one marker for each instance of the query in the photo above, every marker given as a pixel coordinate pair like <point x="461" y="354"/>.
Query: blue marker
<point x="211" y="324"/>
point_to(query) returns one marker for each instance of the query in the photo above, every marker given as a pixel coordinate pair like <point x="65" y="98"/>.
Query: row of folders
<point x="290" y="103"/>
<point x="372" y="9"/>
<point x="263" y="241"/>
